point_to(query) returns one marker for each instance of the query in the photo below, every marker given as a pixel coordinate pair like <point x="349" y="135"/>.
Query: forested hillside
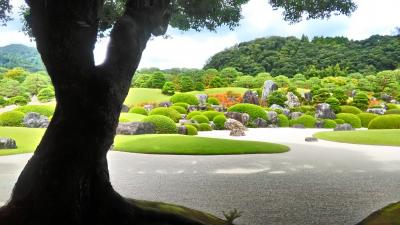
<point x="20" y="56"/>
<point x="291" y="55"/>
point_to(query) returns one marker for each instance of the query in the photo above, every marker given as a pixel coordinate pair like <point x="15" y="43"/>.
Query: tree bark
<point x="67" y="181"/>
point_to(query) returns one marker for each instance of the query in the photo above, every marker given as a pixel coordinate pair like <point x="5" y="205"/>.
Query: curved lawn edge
<point x="387" y="215"/>
<point x="173" y="144"/>
<point x="365" y="137"/>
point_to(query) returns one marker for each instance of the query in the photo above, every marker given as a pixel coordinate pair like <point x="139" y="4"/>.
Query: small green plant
<point x="339" y="121"/>
<point x="385" y="122"/>
<point x="180" y="109"/>
<point x="18" y="100"/>
<point x="191" y="130"/>
<point x="212" y="114"/>
<point x="219" y="122"/>
<point x="329" y="123"/>
<point x="168" y="88"/>
<point x="184" y="97"/>
<point x="169" y="112"/>
<point x="204" y="127"/>
<point x="392" y="111"/>
<point x="182" y="104"/>
<point x="212" y="101"/>
<point x="138" y="110"/>
<point x="12" y="119"/>
<point x="305" y="120"/>
<point x="283" y="120"/>
<point x="366" y="118"/>
<point x="334" y="104"/>
<point x="361" y="101"/>
<point x="231" y="216"/>
<point x="163" y="124"/>
<point x="254" y="111"/>
<point x="277" y="97"/>
<point x="192" y="114"/>
<point x="200" y="119"/>
<point x="350" y="118"/>
<point x="350" y="109"/>
<point x="46" y="94"/>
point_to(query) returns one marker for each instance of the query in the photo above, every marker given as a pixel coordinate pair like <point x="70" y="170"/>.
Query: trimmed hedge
<point x="283" y="121"/>
<point x="329" y="123"/>
<point x="180" y="109"/>
<point x="212" y="114"/>
<point x="12" y="119"/>
<point x="392" y="111"/>
<point x="46" y="94"/>
<point x="350" y="109"/>
<point x="219" y="122"/>
<point x="254" y="111"/>
<point x="168" y="112"/>
<point x="184" y="97"/>
<point x="181" y="104"/>
<point x="204" y="127"/>
<point x="45" y="110"/>
<point x="191" y="130"/>
<point x="385" y="122"/>
<point x="339" y="121"/>
<point x="18" y="100"/>
<point x="366" y="118"/>
<point x="306" y="120"/>
<point x="213" y="101"/>
<point x="138" y="110"/>
<point x="163" y="124"/>
<point x="350" y="118"/>
<point x="391" y="106"/>
<point x="200" y="119"/>
<point x="192" y="114"/>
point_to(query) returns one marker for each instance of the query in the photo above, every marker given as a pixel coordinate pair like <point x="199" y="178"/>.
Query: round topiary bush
<point x="366" y="118"/>
<point x="46" y="94"/>
<point x="45" y="110"/>
<point x="334" y="104"/>
<point x="138" y="110"/>
<point x="18" y="100"/>
<point x="180" y="109"/>
<point x="184" y="97"/>
<point x="350" y="109"/>
<point x="192" y="114"/>
<point x="385" y="122"/>
<point x="254" y="111"/>
<point x="219" y="122"/>
<point x="283" y="121"/>
<point x="213" y="101"/>
<point x="168" y="112"/>
<point x="305" y="120"/>
<point x="211" y="114"/>
<point x="200" y="119"/>
<point x="163" y="124"/>
<point x="204" y="127"/>
<point x="191" y="130"/>
<point x="392" y="111"/>
<point x="181" y="104"/>
<point x="339" y="121"/>
<point x="12" y="119"/>
<point x="350" y="118"/>
<point x="329" y="123"/>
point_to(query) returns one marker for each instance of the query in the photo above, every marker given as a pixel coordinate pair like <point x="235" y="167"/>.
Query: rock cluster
<point x="236" y="128"/>
<point x="243" y="118"/>
<point x="250" y="97"/>
<point x="35" y="120"/>
<point x="324" y="111"/>
<point x="7" y="143"/>
<point x="135" y="128"/>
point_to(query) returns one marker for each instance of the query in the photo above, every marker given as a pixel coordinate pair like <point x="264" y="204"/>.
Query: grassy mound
<point x="139" y="96"/>
<point x="27" y="139"/>
<point x="368" y="137"/>
<point x="131" y="117"/>
<point x="388" y="215"/>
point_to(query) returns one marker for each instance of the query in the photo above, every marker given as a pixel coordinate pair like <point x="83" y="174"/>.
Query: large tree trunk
<point x="67" y="180"/>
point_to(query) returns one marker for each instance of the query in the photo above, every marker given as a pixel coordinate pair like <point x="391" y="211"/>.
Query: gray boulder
<point x="293" y="100"/>
<point x="182" y="130"/>
<point x="165" y="104"/>
<point x="243" y="118"/>
<point x="124" y="108"/>
<point x="35" y="120"/>
<point x="136" y="128"/>
<point x="378" y="111"/>
<point x="385" y="97"/>
<point x="192" y="108"/>
<point x="148" y="108"/>
<point x="343" y="127"/>
<point x="269" y="87"/>
<point x="300" y="126"/>
<point x="250" y="97"/>
<point x="311" y="139"/>
<point x="319" y="124"/>
<point x="202" y="99"/>
<point x="272" y="117"/>
<point x="275" y="106"/>
<point x="308" y="96"/>
<point x="286" y="112"/>
<point x="236" y="128"/>
<point x="324" y="111"/>
<point x="7" y="143"/>
<point x="295" y="115"/>
<point x="218" y="108"/>
<point x="260" y="123"/>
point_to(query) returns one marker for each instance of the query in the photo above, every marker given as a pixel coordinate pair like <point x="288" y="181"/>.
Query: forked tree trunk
<point x="67" y="180"/>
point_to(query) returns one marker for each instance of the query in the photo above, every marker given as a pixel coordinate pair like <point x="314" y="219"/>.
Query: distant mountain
<point x="16" y="55"/>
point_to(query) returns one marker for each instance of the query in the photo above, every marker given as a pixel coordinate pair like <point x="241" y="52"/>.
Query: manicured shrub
<point x="334" y="104"/>
<point x="339" y="121"/>
<point x="3" y="101"/>
<point x="385" y="122"/>
<point x="168" y="88"/>
<point x="350" y="118"/>
<point x="350" y="109"/>
<point x="204" y="127"/>
<point x="283" y="121"/>
<point x="366" y="118"/>
<point x="138" y="110"/>
<point x="184" y="97"/>
<point x="361" y="101"/>
<point x="212" y="101"/>
<point x="123" y="120"/>
<point x="46" y="94"/>
<point x="180" y="109"/>
<point x="18" y="100"/>
<point x="163" y="124"/>
<point x="321" y="95"/>
<point x="192" y="114"/>
<point x="219" y="122"/>
<point x="277" y="97"/>
<point x="329" y="123"/>
<point x="11" y="119"/>
<point x="168" y="112"/>
<point x="45" y="110"/>
<point x="306" y="120"/>
<point x="307" y="108"/>
<point x="182" y="104"/>
<point x="392" y="111"/>
<point x="199" y="86"/>
<point x="254" y="111"/>
<point x="391" y="106"/>
<point x="212" y="114"/>
<point x="191" y="130"/>
<point x="200" y="119"/>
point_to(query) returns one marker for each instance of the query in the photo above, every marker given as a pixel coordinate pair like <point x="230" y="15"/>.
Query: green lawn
<point x="192" y="145"/>
<point x="131" y="117"/>
<point x="368" y="137"/>
<point x="28" y="138"/>
<point x="211" y="91"/>
<point x="390" y="215"/>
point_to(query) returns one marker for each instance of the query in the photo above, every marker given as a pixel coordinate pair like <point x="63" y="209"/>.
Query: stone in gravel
<point x="236" y="128"/>
<point x="165" y="104"/>
<point x="300" y="126"/>
<point x="35" y="120"/>
<point x="269" y="87"/>
<point x="243" y="118"/>
<point x="136" y="128"/>
<point x="311" y="139"/>
<point x="343" y="127"/>
<point x="378" y="111"/>
<point x="324" y="111"/>
<point x="250" y="97"/>
<point x="260" y="123"/>
<point x="7" y="143"/>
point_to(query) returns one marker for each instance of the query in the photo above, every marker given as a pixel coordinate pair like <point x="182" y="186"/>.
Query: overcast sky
<point x="192" y="49"/>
